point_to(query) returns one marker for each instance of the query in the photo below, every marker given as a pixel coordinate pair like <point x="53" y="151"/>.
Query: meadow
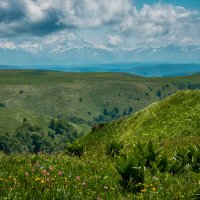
<point x="42" y="95"/>
<point x="151" y="154"/>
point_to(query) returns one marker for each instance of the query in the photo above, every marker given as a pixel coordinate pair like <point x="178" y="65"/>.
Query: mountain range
<point x="82" y="52"/>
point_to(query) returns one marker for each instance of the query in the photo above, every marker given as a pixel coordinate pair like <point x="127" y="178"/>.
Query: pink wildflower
<point x="33" y="170"/>
<point x="60" y="173"/>
<point x="51" y="168"/>
<point x="45" y="172"/>
<point x="26" y="174"/>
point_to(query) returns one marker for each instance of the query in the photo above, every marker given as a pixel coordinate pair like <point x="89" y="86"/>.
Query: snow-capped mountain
<point x="80" y="51"/>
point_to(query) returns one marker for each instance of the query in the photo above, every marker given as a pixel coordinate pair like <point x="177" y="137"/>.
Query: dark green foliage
<point x="32" y="139"/>
<point x="109" y="115"/>
<point x="5" y="144"/>
<point x="150" y="154"/>
<point x="114" y="148"/>
<point x="196" y="195"/>
<point x="98" y="126"/>
<point x="154" y="158"/>
<point x="194" y="158"/>
<point x="186" y="159"/>
<point x="187" y="85"/>
<point x="150" y="88"/>
<point x="62" y="127"/>
<point x="75" y="149"/>
<point x="2" y="105"/>
<point x="131" y="170"/>
<point x="158" y="93"/>
<point x="80" y="99"/>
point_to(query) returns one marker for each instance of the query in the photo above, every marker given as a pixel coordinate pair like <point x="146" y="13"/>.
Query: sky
<point x="49" y="28"/>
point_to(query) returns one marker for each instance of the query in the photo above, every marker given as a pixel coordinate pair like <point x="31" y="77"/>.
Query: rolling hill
<point x="86" y="97"/>
<point x="170" y="122"/>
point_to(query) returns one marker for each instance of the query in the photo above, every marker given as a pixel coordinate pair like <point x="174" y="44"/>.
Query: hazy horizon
<point x="90" y="31"/>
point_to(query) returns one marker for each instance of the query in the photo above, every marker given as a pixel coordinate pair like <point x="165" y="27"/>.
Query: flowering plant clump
<point x="91" y="176"/>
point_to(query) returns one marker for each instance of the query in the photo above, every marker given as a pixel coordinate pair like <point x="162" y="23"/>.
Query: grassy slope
<point x="174" y="120"/>
<point x="178" y="113"/>
<point x="48" y="93"/>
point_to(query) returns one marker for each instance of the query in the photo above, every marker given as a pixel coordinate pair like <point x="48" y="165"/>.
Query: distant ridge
<point x="141" y="69"/>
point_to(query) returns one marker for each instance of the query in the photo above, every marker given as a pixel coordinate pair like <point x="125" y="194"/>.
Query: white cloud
<point x="7" y="45"/>
<point x="163" y="24"/>
<point x="114" y="40"/>
<point x="58" y="22"/>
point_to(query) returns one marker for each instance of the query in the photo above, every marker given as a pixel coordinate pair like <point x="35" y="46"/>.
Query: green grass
<point x="171" y="122"/>
<point x="48" y="94"/>
<point x="174" y="120"/>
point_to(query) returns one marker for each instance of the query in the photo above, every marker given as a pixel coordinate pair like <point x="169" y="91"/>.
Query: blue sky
<point x="189" y="4"/>
<point x="49" y="28"/>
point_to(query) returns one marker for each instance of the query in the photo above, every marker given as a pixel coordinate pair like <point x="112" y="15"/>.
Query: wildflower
<point x="154" y="189"/>
<point x="42" y="181"/>
<point x="60" y="173"/>
<point x="106" y="188"/>
<point x="51" y="168"/>
<point x="144" y="190"/>
<point x="48" y="174"/>
<point x="26" y="174"/>
<point x="45" y="172"/>
<point x="78" y="178"/>
<point x="98" y="198"/>
<point x="32" y="170"/>
<point x="37" y="179"/>
<point x="84" y="183"/>
<point x="155" y="178"/>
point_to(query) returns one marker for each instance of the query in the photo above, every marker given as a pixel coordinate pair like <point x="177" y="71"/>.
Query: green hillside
<point x="172" y="121"/>
<point x="83" y="96"/>
<point x="172" y="172"/>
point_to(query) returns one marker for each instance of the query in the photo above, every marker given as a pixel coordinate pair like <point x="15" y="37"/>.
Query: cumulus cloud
<point x="42" y="17"/>
<point x="163" y="24"/>
<point x="153" y="25"/>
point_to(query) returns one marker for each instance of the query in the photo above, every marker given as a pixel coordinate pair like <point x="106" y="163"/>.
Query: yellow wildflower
<point x="37" y="179"/>
<point x="144" y="190"/>
<point x="42" y="181"/>
<point x="154" y="189"/>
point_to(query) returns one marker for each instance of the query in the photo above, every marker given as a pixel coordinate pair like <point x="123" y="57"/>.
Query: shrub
<point x="131" y="171"/>
<point x="150" y="154"/>
<point x="114" y="148"/>
<point x="97" y="126"/>
<point x="75" y="149"/>
<point x="2" y="105"/>
<point x="196" y="195"/>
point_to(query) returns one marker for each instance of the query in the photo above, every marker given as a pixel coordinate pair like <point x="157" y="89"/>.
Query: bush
<point x="196" y="195"/>
<point x="114" y="148"/>
<point x="2" y="105"/>
<point x="131" y="171"/>
<point x="75" y="149"/>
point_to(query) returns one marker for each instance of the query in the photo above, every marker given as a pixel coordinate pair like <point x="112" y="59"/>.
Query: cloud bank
<point x="117" y="22"/>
